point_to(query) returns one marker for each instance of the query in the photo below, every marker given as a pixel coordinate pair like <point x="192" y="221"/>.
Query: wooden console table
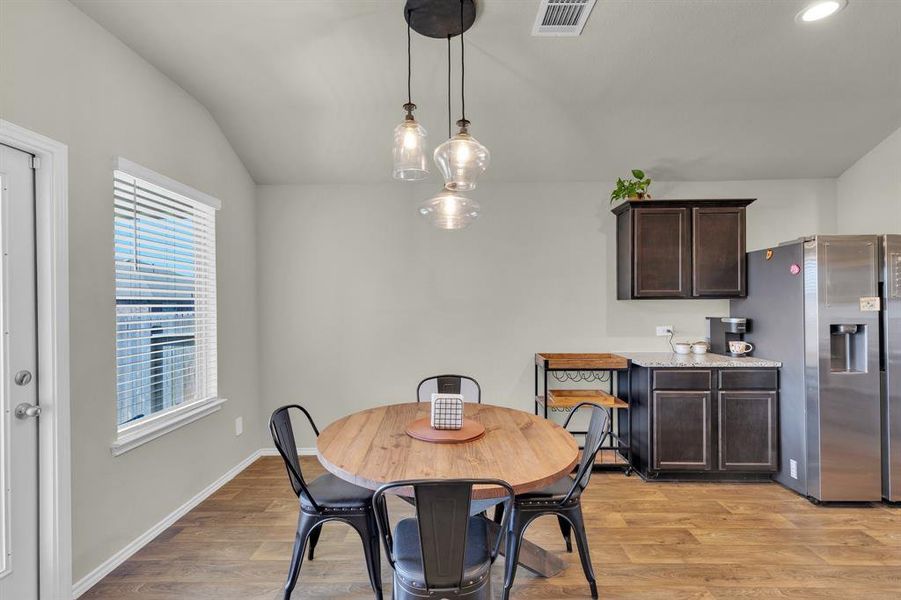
<point x="600" y="367"/>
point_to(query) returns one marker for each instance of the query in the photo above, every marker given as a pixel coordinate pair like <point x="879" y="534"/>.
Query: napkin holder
<point x="447" y="411"/>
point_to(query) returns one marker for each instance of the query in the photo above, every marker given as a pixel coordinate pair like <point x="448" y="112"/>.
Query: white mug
<point x="700" y="347"/>
<point x="682" y="347"/>
<point x="739" y="347"/>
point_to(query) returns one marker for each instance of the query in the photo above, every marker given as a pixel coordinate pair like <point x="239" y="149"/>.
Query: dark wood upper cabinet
<point x="718" y="251"/>
<point x="661" y="261"/>
<point x="681" y="248"/>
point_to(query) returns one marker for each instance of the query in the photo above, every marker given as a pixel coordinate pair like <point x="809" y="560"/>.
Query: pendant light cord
<point x="462" y="67"/>
<point x="449" y="134"/>
<point x="409" y="61"/>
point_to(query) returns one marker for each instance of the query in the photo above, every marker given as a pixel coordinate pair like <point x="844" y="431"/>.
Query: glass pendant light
<point x="461" y="159"/>
<point x="410" y="162"/>
<point x="410" y="138"/>
<point x="450" y="210"/>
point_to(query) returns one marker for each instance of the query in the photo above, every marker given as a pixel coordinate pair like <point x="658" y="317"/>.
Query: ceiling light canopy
<point x="816" y="11"/>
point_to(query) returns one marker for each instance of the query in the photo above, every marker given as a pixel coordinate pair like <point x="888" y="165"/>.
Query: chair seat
<point x="550" y="494"/>
<point x="333" y="493"/>
<point x="408" y="558"/>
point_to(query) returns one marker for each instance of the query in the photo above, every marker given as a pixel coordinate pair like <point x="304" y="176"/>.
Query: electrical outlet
<point x="239" y="425"/>
<point x="664" y="330"/>
<point x="793" y="468"/>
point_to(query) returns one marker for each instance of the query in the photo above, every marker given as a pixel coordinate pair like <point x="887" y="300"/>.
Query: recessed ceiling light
<point x="821" y="9"/>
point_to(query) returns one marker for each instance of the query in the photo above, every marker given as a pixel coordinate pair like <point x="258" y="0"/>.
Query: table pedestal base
<point x="532" y="557"/>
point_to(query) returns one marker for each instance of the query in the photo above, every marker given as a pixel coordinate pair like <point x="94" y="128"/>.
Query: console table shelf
<point x="556" y="361"/>
<point x="571" y="398"/>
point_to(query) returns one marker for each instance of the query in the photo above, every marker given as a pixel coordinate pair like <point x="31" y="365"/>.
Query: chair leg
<point x="499" y="513"/>
<point x="305" y="524"/>
<point x="314" y="539"/>
<point x="374" y="564"/>
<point x="367" y="528"/>
<point x="515" y="530"/>
<point x="565" y="529"/>
<point x="578" y="523"/>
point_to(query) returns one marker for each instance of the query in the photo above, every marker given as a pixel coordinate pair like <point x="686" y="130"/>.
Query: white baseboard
<point x="91" y="579"/>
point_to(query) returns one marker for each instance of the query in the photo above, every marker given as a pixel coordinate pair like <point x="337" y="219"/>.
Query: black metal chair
<point x="326" y="498"/>
<point x="443" y="552"/>
<point x="449" y="384"/>
<point x="561" y="498"/>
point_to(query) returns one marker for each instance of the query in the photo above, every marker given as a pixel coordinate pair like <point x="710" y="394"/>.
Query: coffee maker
<point x="722" y="330"/>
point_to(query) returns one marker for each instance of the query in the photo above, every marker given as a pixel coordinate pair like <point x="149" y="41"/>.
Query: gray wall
<point x="869" y="193"/>
<point x="359" y="297"/>
<point x="64" y="76"/>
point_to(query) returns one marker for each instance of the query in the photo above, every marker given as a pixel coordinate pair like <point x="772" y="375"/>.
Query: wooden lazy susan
<point x="421" y="429"/>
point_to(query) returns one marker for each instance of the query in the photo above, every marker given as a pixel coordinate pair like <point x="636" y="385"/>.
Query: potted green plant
<point x="634" y="189"/>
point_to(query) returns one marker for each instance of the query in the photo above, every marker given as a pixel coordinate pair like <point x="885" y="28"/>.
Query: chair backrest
<point x="598" y="430"/>
<point x="283" y="436"/>
<point x="449" y="384"/>
<point x="442" y="514"/>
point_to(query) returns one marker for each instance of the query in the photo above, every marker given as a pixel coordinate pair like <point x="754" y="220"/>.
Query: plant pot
<point x="640" y="196"/>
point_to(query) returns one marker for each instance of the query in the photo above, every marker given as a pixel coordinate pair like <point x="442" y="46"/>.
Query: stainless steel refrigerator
<point x="829" y="308"/>
<point x="891" y="367"/>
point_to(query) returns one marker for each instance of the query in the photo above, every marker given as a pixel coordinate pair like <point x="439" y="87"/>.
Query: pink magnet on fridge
<point x="794" y="269"/>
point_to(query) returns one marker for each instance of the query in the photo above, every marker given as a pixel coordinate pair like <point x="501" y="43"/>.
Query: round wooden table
<point x="371" y="448"/>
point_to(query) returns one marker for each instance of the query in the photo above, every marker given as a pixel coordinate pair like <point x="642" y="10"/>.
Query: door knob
<point x="23" y="378"/>
<point x="26" y="411"/>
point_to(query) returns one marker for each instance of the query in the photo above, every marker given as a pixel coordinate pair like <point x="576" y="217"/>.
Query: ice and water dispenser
<point x="848" y="348"/>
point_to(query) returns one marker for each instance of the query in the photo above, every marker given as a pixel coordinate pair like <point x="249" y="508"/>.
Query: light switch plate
<point x="239" y="425"/>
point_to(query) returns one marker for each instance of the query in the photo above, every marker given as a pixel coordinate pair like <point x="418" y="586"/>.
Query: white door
<point x="18" y="380"/>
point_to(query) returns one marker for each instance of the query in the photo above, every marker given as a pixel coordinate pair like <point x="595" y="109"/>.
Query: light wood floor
<point x="648" y="540"/>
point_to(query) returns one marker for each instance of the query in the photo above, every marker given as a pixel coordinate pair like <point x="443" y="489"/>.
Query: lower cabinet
<point x="705" y="423"/>
<point x="681" y="435"/>
<point x="747" y="431"/>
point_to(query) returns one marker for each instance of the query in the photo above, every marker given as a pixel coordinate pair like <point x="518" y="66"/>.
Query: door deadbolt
<point x="23" y="378"/>
<point x="27" y="411"/>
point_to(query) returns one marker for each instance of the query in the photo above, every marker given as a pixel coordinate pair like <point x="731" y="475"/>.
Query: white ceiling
<point x="309" y="91"/>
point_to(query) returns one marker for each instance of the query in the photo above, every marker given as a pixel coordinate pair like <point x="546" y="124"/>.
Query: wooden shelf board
<point x="610" y="457"/>
<point x="597" y="361"/>
<point x="570" y="398"/>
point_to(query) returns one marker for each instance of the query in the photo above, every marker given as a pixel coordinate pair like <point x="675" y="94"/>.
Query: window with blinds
<point x="165" y="257"/>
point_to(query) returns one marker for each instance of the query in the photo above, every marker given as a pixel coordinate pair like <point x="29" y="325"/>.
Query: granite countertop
<point x="717" y="361"/>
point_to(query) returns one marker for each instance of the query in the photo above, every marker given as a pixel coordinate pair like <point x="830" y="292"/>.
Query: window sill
<point x="154" y="427"/>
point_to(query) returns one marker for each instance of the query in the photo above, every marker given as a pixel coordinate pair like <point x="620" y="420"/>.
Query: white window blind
<point x="165" y="257"/>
